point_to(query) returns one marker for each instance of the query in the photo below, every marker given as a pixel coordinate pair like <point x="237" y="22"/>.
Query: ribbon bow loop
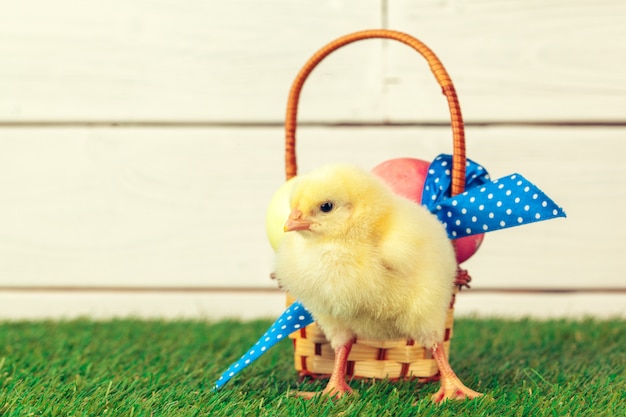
<point x="486" y="205"/>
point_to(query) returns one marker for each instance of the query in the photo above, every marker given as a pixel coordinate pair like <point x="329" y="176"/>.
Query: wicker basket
<point x="391" y="359"/>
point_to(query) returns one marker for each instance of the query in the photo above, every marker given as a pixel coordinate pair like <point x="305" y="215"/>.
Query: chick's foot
<point x="337" y="389"/>
<point x="454" y="391"/>
<point x="332" y="390"/>
<point x="337" y="386"/>
<point x="451" y="386"/>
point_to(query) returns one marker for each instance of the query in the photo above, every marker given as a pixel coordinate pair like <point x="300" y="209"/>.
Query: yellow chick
<point x="368" y="263"/>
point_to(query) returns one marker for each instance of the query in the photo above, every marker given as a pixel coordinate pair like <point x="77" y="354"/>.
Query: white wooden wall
<point x="141" y="141"/>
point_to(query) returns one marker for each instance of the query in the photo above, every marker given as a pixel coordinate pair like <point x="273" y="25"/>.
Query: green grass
<point x="154" y="368"/>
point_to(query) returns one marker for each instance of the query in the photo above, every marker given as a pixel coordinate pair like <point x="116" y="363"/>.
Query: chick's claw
<point x="337" y="390"/>
<point x="332" y="391"/>
<point x="454" y="391"/>
<point x="307" y="395"/>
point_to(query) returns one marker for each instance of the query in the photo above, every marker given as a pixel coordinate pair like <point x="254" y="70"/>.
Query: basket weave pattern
<point x="388" y="359"/>
<point x="391" y="359"/>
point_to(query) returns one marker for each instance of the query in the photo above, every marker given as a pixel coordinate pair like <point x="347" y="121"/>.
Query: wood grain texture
<point x="154" y="208"/>
<point x="234" y="61"/>
<point x="513" y="60"/>
<point x="32" y="305"/>
<point x="138" y="60"/>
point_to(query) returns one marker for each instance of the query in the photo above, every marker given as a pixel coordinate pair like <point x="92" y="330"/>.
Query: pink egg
<point x="406" y="177"/>
<point x="466" y="246"/>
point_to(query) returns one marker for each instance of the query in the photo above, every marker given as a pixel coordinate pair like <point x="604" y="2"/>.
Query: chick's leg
<point x="451" y="385"/>
<point x="337" y="386"/>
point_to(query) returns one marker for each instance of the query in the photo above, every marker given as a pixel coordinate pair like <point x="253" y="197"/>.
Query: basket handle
<point x="440" y="73"/>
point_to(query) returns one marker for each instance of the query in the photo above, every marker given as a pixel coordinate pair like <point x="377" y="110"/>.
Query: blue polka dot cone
<point x="293" y="319"/>
<point x="485" y="206"/>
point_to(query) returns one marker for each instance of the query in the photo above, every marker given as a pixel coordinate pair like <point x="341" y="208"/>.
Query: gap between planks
<point x="150" y="124"/>
<point x="260" y="290"/>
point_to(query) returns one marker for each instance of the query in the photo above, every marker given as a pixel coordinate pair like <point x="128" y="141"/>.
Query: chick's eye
<point x="326" y="206"/>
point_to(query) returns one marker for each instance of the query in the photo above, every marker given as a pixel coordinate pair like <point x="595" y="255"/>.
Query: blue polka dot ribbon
<point x="293" y="319"/>
<point x="485" y="206"/>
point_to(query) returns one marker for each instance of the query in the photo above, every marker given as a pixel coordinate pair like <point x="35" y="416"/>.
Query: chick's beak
<point x="296" y="222"/>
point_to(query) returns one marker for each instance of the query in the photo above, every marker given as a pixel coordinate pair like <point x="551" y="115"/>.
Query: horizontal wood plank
<point x="186" y="207"/>
<point x="246" y="306"/>
<point x="141" y="60"/>
<point x="513" y="60"/>
<point x="234" y="61"/>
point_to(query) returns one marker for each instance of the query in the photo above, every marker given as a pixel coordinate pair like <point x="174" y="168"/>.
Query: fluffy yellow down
<point x="376" y="266"/>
